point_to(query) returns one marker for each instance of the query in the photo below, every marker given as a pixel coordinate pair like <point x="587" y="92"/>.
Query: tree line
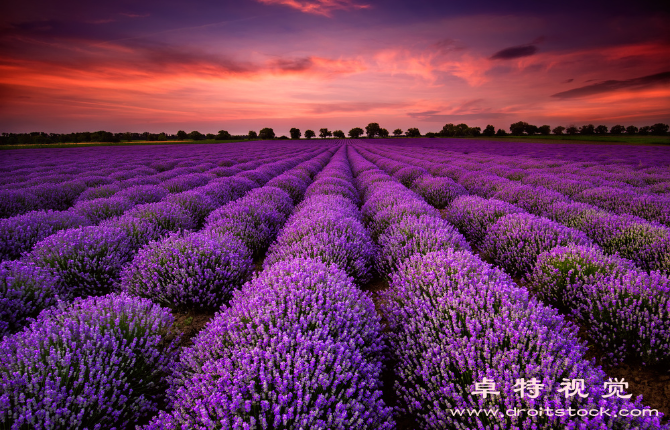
<point x="372" y="130"/>
<point x="523" y="128"/>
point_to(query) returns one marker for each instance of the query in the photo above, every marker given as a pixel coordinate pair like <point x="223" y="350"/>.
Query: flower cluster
<point x="20" y="233"/>
<point x="188" y="271"/>
<point x="438" y="191"/>
<point x="87" y="260"/>
<point x="298" y="347"/>
<point x="25" y="290"/>
<point x="514" y="241"/>
<point x="97" y="210"/>
<point x="456" y="320"/>
<point x="96" y="363"/>
<point x="473" y="215"/>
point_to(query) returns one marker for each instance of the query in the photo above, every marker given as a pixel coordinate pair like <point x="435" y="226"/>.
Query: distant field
<point x="134" y="142"/>
<point x="644" y="140"/>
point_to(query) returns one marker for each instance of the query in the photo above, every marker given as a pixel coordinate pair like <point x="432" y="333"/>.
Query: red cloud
<point x="318" y="7"/>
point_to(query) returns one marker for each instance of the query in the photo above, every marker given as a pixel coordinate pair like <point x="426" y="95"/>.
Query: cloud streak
<point x="614" y="85"/>
<point x="318" y="7"/>
<point x="515" y="52"/>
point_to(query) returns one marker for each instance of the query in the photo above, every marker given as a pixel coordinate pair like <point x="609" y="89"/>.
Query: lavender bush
<point x="164" y="215"/>
<point x="98" y="192"/>
<point x="412" y="236"/>
<point x="455" y="320"/>
<point x="25" y="290"/>
<point x="629" y="316"/>
<point x="20" y="233"/>
<point x="188" y="271"/>
<point x="438" y="192"/>
<point x="139" y="194"/>
<point x="473" y="215"/>
<point x="103" y="208"/>
<point x="87" y="260"/>
<point x="515" y="241"/>
<point x="97" y="363"/>
<point x="332" y="239"/>
<point x="310" y="359"/>
<point x="198" y="205"/>
<point x="560" y="274"/>
<point x="15" y="202"/>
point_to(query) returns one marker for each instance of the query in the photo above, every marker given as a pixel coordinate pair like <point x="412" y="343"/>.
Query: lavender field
<point x="336" y="284"/>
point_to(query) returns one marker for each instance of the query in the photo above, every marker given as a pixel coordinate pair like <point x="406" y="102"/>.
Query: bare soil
<point x="403" y="421"/>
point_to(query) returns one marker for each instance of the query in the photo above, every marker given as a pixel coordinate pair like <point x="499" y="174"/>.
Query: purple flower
<point x="87" y="260"/>
<point x="95" y="363"/>
<point x="25" y="290"/>
<point x="515" y="241"/>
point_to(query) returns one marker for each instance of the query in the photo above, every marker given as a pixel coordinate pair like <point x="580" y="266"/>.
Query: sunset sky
<point x="209" y="65"/>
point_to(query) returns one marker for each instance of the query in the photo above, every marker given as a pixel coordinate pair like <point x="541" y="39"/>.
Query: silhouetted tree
<point x="631" y="129"/>
<point x="462" y="129"/>
<point x="644" y="130"/>
<point x="266" y="133"/>
<point x="449" y="130"/>
<point x="309" y="134"/>
<point x="413" y="132"/>
<point x="372" y="129"/>
<point x="587" y="129"/>
<point x="295" y="133"/>
<point x="474" y="131"/>
<point x="501" y="132"/>
<point x="355" y="132"/>
<point x="98" y="136"/>
<point x="196" y="135"/>
<point x="659" y="129"/>
<point x="339" y="134"/>
<point x="489" y="131"/>
<point x="252" y="134"/>
<point x="558" y="130"/>
<point x="518" y="128"/>
<point x="181" y="135"/>
<point x="601" y="129"/>
<point x="571" y="130"/>
<point x="283" y="137"/>
<point x="383" y="132"/>
<point x="431" y="134"/>
<point x="544" y="130"/>
<point x="210" y="136"/>
<point x="223" y="135"/>
<point x="397" y="132"/>
<point x="324" y="132"/>
<point x="617" y="129"/>
<point x="531" y="129"/>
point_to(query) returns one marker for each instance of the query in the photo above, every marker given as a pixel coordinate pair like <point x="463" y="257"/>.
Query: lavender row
<point x="644" y="242"/>
<point x="197" y="193"/>
<point x="632" y="169"/>
<point x="59" y="191"/>
<point x="199" y="270"/>
<point x="456" y="320"/>
<point x="613" y="311"/>
<point x="615" y="196"/>
<point x="89" y="260"/>
<point x="128" y="338"/>
<point x="300" y="345"/>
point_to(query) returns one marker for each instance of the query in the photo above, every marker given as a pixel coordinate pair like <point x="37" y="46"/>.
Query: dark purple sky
<point x="211" y="65"/>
